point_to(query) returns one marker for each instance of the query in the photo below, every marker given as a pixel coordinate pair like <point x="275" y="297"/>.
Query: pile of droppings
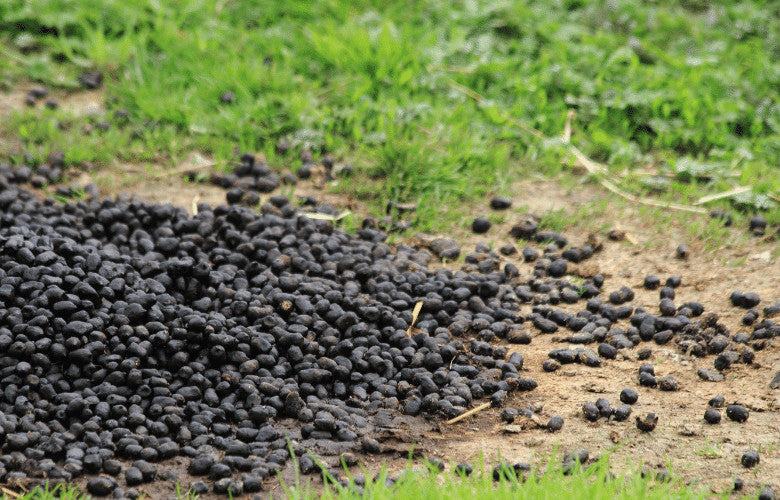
<point x="132" y="333"/>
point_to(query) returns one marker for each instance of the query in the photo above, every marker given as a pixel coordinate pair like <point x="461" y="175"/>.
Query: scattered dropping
<point x="757" y="225"/>
<point x="750" y="459"/>
<point x="712" y="416"/>
<point x="227" y="97"/>
<point x="648" y="423"/>
<point x="629" y="396"/>
<point x="480" y="225"/>
<point x="500" y="203"/>
<point x="555" y="423"/>
<point x="683" y="251"/>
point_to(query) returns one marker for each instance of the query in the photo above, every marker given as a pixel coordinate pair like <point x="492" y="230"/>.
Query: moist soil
<point x="699" y="453"/>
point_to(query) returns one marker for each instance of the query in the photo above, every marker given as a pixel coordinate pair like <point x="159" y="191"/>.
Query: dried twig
<point x="566" y="136"/>
<point x="9" y="493"/>
<point x="649" y="201"/>
<point x="469" y="413"/>
<point x="195" y="201"/>
<point x="318" y="216"/>
<point x="479" y="98"/>
<point x="724" y="194"/>
<point x="415" y="313"/>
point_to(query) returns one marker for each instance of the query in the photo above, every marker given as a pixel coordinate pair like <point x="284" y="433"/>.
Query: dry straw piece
<point x="415" y="313"/>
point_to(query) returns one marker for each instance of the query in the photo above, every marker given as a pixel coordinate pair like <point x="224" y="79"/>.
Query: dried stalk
<point x="469" y="413"/>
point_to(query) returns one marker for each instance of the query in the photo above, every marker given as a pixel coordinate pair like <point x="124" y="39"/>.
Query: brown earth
<point x="699" y="453"/>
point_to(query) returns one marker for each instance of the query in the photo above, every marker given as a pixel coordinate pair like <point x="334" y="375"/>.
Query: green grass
<point x="687" y="87"/>
<point x="595" y="481"/>
<point x="710" y="450"/>
<point x="60" y="492"/>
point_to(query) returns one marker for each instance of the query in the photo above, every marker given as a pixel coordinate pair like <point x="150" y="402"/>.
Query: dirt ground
<point x="699" y="453"/>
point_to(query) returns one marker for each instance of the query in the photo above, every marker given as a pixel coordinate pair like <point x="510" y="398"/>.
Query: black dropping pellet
<point x="508" y="415"/>
<point x="555" y="424"/>
<point x="750" y="459"/>
<point x="652" y="282"/>
<point x="464" y="469"/>
<point x="605" y="409"/>
<point x="673" y="281"/>
<point x="557" y="268"/>
<point x="668" y="384"/>
<point x="717" y="401"/>
<point x="607" y="351"/>
<point x="726" y="218"/>
<point x="737" y="413"/>
<point x="500" y="203"/>
<point x="647" y="380"/>
<point x="622" y="412"/>
<point x="590" y="411"/>
<point x="227" y="97"/>
<point x="712" y="416"/>
<point x="683" y="251"/>
<point x="757" y="225"/>
<point x="530" y="254"/>
<point x="750" y="317"/>
<point x="629" y="396"/>
<point x="480" y="225"/>
<point x="101" y="486"/>
<point x="647" y="367"/>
